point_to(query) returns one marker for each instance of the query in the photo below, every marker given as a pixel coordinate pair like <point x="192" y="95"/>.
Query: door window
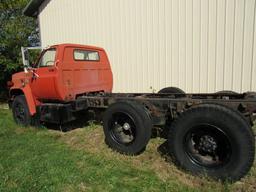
<point x="48" y="58"/>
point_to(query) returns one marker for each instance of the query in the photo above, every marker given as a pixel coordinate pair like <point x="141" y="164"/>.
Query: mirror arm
<point x="24" y="60"/>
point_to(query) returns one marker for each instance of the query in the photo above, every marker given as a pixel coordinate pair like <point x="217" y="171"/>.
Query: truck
<point x="207" y="133"/>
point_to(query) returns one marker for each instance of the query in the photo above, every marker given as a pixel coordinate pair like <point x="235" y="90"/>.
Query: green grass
<point x="38" y="159"/>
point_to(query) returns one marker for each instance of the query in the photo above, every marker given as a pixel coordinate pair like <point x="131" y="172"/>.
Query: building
<point x="197" y="45"/>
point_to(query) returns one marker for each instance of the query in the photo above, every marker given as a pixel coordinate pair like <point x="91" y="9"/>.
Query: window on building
<point x="48" y="58"/>
<point x="85" y="55"/>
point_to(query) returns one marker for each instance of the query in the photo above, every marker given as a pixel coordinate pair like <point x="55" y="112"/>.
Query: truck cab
<point x="62" y="73"/>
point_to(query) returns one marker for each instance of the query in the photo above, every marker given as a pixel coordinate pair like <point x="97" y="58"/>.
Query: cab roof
<point x="77" y="46"/>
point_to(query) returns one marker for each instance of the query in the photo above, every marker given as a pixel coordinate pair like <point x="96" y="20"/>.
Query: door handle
<point x="51" y="70"/>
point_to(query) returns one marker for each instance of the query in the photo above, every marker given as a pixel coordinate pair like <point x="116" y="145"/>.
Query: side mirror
<point x="26" y="54"/>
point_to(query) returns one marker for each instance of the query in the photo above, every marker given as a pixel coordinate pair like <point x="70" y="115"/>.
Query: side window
<point x="85" y="55"/>
<point x="47" y="58"/>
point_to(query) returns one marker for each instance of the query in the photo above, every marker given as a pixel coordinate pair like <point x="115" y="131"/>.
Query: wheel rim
<point x="19" y="112"/>
<point x="122" y="128"/>
<point x="208" y="146"/>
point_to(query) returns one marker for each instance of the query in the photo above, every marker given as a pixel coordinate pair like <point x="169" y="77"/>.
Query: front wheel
<point x="20" y="111"/>
<point x="213" y="140"/>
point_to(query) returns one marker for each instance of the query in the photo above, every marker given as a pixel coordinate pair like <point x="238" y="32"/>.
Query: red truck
<point x="207" y="133"/>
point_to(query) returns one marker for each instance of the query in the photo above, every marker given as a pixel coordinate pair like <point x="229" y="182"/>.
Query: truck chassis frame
<point x="159" y="105"/>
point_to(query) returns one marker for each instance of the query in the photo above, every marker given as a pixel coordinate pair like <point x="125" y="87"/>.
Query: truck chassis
<point x="159" y="105"/>
<point x="204" y="131"/>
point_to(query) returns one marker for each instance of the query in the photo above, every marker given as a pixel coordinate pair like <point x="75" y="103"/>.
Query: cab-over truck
<point x="207" y="133"/>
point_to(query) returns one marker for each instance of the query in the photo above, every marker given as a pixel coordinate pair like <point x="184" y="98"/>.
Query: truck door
<point x="43" y="77"/>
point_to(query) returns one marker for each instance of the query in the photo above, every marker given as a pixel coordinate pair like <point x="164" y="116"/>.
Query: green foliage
<point x="16" y="30"/>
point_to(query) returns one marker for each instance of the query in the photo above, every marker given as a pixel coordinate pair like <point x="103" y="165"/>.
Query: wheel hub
<point x="20" y="112"/>
<point x="123" y="128"/>
<point x="126" y="126"/>
<point x="207" y="144"/>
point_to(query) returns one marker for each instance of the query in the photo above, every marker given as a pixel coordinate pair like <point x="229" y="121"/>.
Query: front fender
<point x="31" y="101"/>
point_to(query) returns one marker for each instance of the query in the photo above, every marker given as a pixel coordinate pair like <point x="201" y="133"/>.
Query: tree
<point x="16" y="30"/>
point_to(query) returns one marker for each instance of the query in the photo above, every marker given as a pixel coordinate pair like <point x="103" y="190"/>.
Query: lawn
<point x="41" y="159"/>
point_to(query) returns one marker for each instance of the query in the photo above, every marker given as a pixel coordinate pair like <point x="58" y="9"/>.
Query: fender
<point x="31" y="102"/>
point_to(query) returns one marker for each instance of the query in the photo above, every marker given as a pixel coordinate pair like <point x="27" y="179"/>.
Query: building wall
<point x="197" y="45"/>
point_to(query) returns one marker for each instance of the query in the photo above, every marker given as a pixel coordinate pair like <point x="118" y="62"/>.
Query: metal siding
<point x="189" y="47"/>
<point x="204" y="46"/>
<point x="229" y="44"/>
<point x="197" y="45"/>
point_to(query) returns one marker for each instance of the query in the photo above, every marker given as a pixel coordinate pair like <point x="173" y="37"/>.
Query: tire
<point x="127" y="127"/>
<point x="227" y="92"/>
<point x="20" y="111"/>
<point x="213" y="140"/>
<point x="172" y="90"/>
<point x="250" y="95"/>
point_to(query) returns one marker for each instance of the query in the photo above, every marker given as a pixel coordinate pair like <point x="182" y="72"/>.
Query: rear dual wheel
<point x="127" y="127"/>
<point x="212" y="140"/>
<point x="172" y="90"/>
<point x="227" y="92"/>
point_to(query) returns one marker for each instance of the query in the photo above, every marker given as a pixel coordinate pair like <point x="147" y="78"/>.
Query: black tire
<point x="127" y="127"/>
<point x="213" y="140"/>
<point x="250" y="95"/>
<point x="20" y="111"/>
<point x="172" y="90"/>
<point x="227" y="92"/>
